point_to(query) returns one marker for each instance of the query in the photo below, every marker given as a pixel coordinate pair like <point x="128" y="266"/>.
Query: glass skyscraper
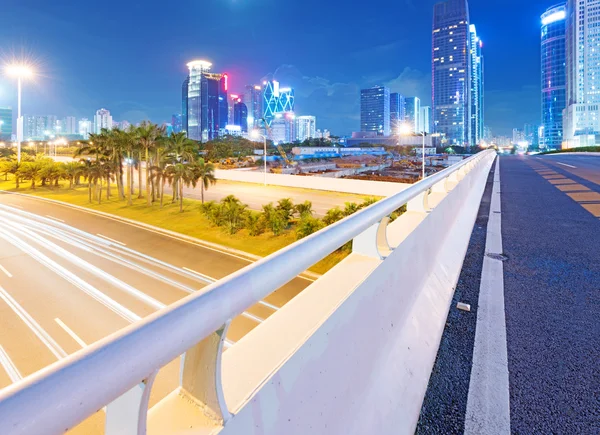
<point x="476" y="83"/>
<point x="375" y="110"/>
<point x="184" y="104"/>
<point x="5" y="123"/>
<point x="253" y="99"/>
<point x="276" y="100"/>
<point x="397" y="111"/>
<point x="451" y="71"/>
<point x="553" y="75"/>
<point x="581" y="118"/>
<point x="413" y="114"/>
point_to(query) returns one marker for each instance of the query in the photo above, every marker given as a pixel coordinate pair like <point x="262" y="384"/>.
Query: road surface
<point x="69" y="278"/>
<point x="550" y="230"/>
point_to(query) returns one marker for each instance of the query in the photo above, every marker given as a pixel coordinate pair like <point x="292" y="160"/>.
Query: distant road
<point x="69" y="278"/>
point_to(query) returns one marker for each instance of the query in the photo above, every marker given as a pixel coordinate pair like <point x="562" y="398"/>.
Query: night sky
<point x="129" y="56"/>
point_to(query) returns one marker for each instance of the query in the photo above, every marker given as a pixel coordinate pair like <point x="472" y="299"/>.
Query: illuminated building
<point x="276" y="99"/>
<point x="425" y="119"/>
<point x="450" y="71"/>
<point x="397" y="111"/>
<point x="102" y="119"/>
<point x="413" y="113"/>
<point x="375" y="110"/>
<point x="306" y="128"/>
<point x="553" y="76"/>
<point x="184" y="104"/>
<point x="85" y="127"/>
<point x="476" y="84"/>
<point x="233" y="98"/>
<point x="282" y="129"/>
<point x="207" y="105"/>
<point x="253" y="99"/>
<point x="240" y="115"/>
<point x="5" y="123"/>
<point x="177" y="123"/>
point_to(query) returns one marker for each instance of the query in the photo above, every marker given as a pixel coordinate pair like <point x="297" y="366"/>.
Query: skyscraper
<point x="240" y="115"/>
<point x="425" y="119"/>
<point x="253" y="99"/>
<point x="70" y="125"/>
<point x="451" y="71"/>
<point x="85" y="128"/>
<point x="553" y="62"/>
<point x="5" y="123"/>
<point x="207" y="103"/>
<point x="476" y="107"/>
<point x="306" y="128"/>
<point x="102" y="119"/>
<point x="184" y="104"/>
<point x="413" y="113"/>
<point x="375" y="110"/>
<point x="581" y="118"/>
<point x="177" y="123"/>
<point x="397" y="111"/>
<point x="276" y="99"/>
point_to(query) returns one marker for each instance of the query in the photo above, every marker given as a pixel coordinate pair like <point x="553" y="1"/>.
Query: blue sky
<point x="129" y="56"/>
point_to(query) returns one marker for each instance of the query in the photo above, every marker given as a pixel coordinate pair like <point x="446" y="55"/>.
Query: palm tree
<point x="30" y="171"/>
<point x="304" y="210"/>
<point x="148" y="135"/>
<point x="206" y="175"/>
<point x="234" y="211"/>
<point x="73" y="170"/>
<point x="182" y="148"/>
<point x="181" y="174"/>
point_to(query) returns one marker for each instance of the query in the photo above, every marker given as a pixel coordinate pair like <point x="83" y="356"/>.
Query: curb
<point x="215" y="246"/>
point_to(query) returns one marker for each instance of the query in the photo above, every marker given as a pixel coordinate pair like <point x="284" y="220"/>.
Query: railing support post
<point x="200" y="375"/>
<point x="419" y="203"/>
<point x="127" y="415"/>
<point x="373" y="241"/>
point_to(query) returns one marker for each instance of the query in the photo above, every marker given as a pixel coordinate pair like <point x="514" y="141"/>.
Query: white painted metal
<point x="74" y="388"/>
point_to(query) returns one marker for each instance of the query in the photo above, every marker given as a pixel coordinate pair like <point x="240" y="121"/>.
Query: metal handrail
<point x="70" y="390"/>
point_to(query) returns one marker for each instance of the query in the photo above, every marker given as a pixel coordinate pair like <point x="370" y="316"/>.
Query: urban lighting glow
<point x="552" y="18"/>
<point x="19" y="70"/>
<point x="203" y="64"/>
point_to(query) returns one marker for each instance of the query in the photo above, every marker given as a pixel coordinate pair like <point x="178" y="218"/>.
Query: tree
<point x="233" y="211"/>
<point x="148" y="135"/>
<point x="206" y="175"/>
<point x="304" y="210"/>
<point x="350" y="208"/>
<point x="333" y="215"/>
<point x="286" y="206"/>
<point x="367" y="202"/>
<point x="30" y="171"/>
<point x="308" y="225"/>
<point x="181" y="174"/>
<point x="73" y="170"/>
<point x="255" y="224"/>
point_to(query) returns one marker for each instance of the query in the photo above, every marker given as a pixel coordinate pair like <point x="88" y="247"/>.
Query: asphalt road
<point x="69" y="278"/>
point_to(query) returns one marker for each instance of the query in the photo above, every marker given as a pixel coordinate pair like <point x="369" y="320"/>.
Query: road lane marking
<point x="55" y="219"/>
<point x="252" y="317"/>
<point x="6" y="272"/>
<point x="271" y="306"/>
<point x="200" y="274"/>
<point x="70" y="332"/>
<point x="568" y="166"/>
<point x="488" y="401"/>
<point x="15" y="205"/>
<point x="111" y="240"/>
<point x="33" y="325"/>
<point x="9" y="367"/>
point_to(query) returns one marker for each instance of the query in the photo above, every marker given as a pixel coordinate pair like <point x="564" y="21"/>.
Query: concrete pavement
<point x="550" y="210"/>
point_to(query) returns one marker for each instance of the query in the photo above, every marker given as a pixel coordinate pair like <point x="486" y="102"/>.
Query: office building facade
<point x="451" y="72"/>
<point x="184" y="104"/>
<point x="240" y="115"/>
<point x="85" y="128"/>
<point x="306" y="128"/>
<point x="375" y="110"/>
<point x="6" y="126"/>
<point x="413" y="114"/>
<point x="207" y="105"/>
<point x="476" y="84"/>
<point x="253" y="99"/>
<point x="276" y="100"/>
<point x="102" y="119"/>
<point x="425" y="119"/>
<point x="553" y="75"/>
<point x="177" y="123"/>
<point x="397" y="112"/>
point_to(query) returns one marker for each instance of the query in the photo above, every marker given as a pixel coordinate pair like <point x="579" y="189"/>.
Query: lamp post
<point x="256" y="134"/>
<point x="20" y="71"/>
<point x="405" y="130"/>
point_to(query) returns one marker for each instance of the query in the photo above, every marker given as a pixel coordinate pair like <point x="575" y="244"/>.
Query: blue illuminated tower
<point x="276" y="100"/>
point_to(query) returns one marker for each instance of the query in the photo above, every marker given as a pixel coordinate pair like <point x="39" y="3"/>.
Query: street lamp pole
<point x="265" y="158"/>
<point x="423" y="172"/>
<point x="19" y="120"/>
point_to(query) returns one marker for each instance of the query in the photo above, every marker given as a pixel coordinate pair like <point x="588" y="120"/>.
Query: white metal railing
<point x="118" y="371"/>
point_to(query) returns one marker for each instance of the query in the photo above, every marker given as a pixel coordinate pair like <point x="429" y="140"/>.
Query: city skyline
<point x="327" y="80"/>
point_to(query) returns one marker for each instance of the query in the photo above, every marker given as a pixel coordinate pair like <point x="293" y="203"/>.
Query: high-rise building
<point x="476" y="83"/>
<point x="177" y="123"/>
<point x="207" y="105"/>
<point x="397" y="111"/>
<point x="413" y="113"/>
<point x="282" y="129"/>
<point x="581" y="118"/>
<point x="531" y="135"/>
<point x="553" y="62"/>
<point x="306" y="128"/>
<point x="276" y="99"/>
<point x="70" y="125"/>
<point x="240" y="115"/>
<point x="5" y="123"/>
<point x="451" y="71"/>
<point x="184" y="104"/>
<point x="85" y="128"/>
<point x="518" y="136"/>
<point x="40" y="127"/>
<point x="425" y="119"/>
<point x="102" y="119"/>
<point x="253" y="99"/>
<point x="375" y="110"/>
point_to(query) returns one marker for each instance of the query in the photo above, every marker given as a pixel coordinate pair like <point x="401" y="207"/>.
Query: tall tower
<point x="476" y="108"/>
<point x="581" y="120"/>
<point x="184" y="104"/>
<point x="553" y="62"/>
<point x="397" y="111"/>
<point x="375" y="110"/>
<point x="102" y="119"/>
<point x="253" y="99"/>
<point x="451" y="71"/>
<point x="413" y="114"/>
<point x="276" y="100"/>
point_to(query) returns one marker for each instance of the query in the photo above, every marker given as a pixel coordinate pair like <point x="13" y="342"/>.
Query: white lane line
<point x="488" y="401"/>
<point x="55" y="219"/>
<point x="564" y="164"/>
<point x="9" y="367"/>
<point x="70" y="332"/>
<point x="111" y="240"/>
<point x="6" y="272"/>
<point x="15" y="205"/>
<point x="33" y="325"/>
<point x="200" y="274"/>
<point x="271" y="306"/>
<point x="252" y="317"/>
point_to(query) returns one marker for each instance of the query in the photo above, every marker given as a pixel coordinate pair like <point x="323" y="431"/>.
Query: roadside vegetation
<point x="594" y="149"/>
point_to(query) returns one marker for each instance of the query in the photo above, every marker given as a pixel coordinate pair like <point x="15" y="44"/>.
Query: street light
<point x="407" y="129"/>
<point x="20" y="71"/>
<point x="255" y="134"/>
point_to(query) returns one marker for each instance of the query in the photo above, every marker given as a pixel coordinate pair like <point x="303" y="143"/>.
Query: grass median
<point x="191" y="222"/>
